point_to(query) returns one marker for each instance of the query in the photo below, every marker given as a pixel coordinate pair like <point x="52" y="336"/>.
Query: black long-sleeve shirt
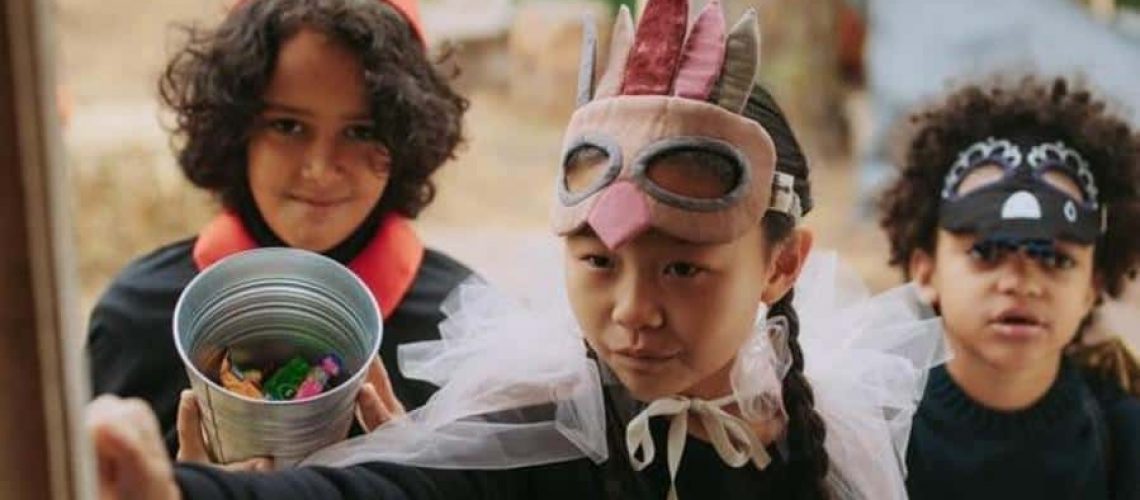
<point x="702" y="475"/>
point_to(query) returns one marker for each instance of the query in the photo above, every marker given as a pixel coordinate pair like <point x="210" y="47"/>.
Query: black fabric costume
<point x="1080" y="440"/>
<point x="702" y="475"/>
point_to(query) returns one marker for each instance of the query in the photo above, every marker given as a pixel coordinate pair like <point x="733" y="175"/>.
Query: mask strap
<point x="784" y="197"/>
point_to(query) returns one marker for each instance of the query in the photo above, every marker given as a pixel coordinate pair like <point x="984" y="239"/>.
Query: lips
<point x="641" y="360"/>
<point x="1018" y="323"/>
<point x="319" y="202"/>
<point x="647" y="355"/>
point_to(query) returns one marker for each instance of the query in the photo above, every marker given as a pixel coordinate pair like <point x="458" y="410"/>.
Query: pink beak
<point x="620" y="214"/>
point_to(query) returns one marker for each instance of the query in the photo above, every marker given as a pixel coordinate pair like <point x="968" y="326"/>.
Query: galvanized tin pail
<point x="271" y="304"/>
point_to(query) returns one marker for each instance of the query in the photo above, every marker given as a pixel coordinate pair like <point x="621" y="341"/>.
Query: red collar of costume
<point x="387" y="265"/>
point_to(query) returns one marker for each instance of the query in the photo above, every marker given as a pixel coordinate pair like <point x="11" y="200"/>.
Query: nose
<point x="322" y="162"/>
<point x="1018" y="276"/>
<point x="636" y="307"/>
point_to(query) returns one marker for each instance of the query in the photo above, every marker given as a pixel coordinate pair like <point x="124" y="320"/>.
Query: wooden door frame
<point x="43" y="451"/>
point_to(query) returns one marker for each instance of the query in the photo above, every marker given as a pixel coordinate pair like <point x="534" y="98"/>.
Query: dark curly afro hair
<point x="1051" y="110"/>
<point x="214" y="86"/>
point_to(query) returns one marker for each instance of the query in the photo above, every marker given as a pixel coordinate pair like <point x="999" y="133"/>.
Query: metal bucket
<point x="273" y="303"/>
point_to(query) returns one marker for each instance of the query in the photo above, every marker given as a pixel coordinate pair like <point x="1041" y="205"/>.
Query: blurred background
<point x="844" y="70"/>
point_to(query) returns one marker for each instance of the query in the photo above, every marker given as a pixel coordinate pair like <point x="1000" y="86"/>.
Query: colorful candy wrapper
<point x="283" y="385"/>
<point x="319" y="377"/>
<point x="244" y="383"/>
<point x="295" y="380"/>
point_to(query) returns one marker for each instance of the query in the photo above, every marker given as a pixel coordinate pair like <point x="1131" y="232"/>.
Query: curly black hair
<point x="214" y="86"/>
<point x="1055" y="109"/>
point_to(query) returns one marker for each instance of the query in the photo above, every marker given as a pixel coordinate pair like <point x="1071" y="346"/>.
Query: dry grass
<point x="124" y="206"/>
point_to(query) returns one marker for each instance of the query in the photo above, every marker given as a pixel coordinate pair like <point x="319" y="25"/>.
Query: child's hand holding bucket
<point x="376" y="404"/>
<point x="270" y="312"/>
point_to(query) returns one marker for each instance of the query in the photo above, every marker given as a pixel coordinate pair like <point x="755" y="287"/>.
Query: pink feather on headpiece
<point x="656" y="52"/>
<point x="703" y="57"/>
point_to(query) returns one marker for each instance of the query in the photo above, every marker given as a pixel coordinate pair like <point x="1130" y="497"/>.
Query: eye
<point x="683" y="269"/>
<point x="286" y="126"/>
<point x="600" y="262"/>
<point x="1054" y="260"/>
<point x="362" y="133"/>
<point x="1061" y="261"/>
<point x="1050" y="256"/>
<point x="986" y="252"/>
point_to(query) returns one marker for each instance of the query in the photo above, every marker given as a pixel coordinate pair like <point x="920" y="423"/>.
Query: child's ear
<point x="921" y="271"/>
<point x="787" y="264"/>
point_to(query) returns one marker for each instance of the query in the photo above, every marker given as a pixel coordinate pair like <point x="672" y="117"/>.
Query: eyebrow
<point x="584" y="233"/>
<point x="285" y="108"/>
<point x="587" y="233"/>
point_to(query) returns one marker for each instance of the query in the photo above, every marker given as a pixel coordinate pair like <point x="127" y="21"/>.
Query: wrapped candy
<point x="295" y="380"/>
<point x="283" y="384"/>
<point x="319" y="378"/>
<point x="245" y="382"/>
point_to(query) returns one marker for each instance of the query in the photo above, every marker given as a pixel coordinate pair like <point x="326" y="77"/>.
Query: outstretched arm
<point x="133" y="465"/>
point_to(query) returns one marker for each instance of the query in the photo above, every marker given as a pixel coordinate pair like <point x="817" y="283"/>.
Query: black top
<point x="1080" y="440"/>
<point x="702" y="475"/>
<point x="130" y="340"/>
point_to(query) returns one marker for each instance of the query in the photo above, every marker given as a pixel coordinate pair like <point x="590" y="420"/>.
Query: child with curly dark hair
<point x="1011" y="215"/>
<point x="318" y="124"/>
